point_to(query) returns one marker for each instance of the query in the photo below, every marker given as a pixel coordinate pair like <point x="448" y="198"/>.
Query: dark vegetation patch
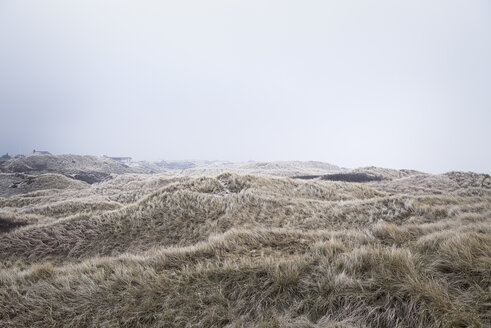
<point x="91" y="177"/>
<point x="346" y="177"/>
<point x="7" y="225"/>
<point x="306" y="177"/>
<point x="351" y="177"/>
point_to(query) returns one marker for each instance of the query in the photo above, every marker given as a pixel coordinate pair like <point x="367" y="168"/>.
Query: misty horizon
<point x="395" y="85"/>
<point x="220" y="160"/>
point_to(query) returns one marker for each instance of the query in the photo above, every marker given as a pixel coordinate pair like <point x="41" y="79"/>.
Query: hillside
<point x="408" y="250"/>
<point x="90" y="169"/>
<point x="63" y="164"/>
<point x="18" y="183"/>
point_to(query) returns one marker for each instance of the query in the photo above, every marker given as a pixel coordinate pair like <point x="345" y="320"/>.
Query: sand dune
<point x="409" y="250"/>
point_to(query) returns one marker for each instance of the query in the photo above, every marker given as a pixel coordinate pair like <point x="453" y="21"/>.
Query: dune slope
<point x="245" y="250"/>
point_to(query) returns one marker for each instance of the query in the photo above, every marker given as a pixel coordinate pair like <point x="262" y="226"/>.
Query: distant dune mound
<point x="63" y="164"/>
<point x="19" y="183"/>
<point x="408" y="181"/>
<point x="292" y="165"/>
<point x="90" y="169"/>
<point x="470" y="179"/>
<point x="282" y="168"/>
<point x="436" y="183"/>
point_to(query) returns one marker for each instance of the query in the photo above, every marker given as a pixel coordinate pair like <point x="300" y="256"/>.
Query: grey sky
<point x="402" y="84"/>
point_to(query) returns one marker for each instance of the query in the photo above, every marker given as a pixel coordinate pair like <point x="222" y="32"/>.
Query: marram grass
<point x="249" y="251"/>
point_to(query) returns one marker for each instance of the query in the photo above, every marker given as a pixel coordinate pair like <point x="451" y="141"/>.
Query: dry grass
<point x="250" y="251"/>
<point x="282" y="169"/>
<point x="64" y="164"/>
<point x="15" y="184"/>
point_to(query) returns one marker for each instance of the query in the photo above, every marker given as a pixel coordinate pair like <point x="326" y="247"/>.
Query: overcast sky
<point x="400" y="84"/>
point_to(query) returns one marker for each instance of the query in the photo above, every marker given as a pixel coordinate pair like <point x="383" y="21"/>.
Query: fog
<point x="354" y="83"/>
